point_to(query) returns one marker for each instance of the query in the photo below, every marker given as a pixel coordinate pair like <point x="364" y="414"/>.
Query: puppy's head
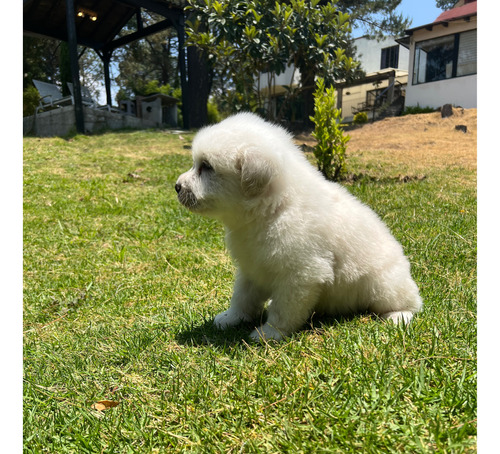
<point x="234" y="168"/>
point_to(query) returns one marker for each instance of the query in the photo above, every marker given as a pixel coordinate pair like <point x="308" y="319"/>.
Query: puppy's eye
<point x="205" y="166"/>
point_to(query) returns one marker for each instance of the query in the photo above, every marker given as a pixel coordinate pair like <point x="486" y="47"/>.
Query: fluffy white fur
<point x="298" y="240"/>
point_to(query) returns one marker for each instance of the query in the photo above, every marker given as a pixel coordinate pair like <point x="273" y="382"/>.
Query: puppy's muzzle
<point x="186" y="196"/>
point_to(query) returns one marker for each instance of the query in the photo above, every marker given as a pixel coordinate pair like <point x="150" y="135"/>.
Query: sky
<point x="421" y="12"/>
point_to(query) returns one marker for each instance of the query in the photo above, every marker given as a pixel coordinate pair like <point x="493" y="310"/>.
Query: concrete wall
<point x="61" y="122"/>
<point x="151" y="111"/>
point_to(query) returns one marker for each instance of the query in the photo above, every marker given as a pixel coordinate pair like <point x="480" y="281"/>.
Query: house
<point x="385" y="63"/>
<point x="443" y="59"/>
<point x="274" y="88"/>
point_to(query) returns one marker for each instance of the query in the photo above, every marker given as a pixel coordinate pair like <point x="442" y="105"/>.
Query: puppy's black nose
<point x="178" y="187"/>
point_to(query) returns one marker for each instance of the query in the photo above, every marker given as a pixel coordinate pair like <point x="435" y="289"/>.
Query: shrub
<point x="213" y="113"/>
<point x="330" y="149"/>
<point x="412" y="110"/>
<point x="153" y="87"/>
<point x="31" y="98"/>
<point x="360" y="118"/>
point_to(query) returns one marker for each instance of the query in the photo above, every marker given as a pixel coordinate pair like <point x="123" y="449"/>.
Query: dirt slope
<point x="418" y="141"/>
<point x="423" y="139"/>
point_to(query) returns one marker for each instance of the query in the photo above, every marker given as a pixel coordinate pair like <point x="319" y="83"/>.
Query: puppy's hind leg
<point x="398" y="316"/>
<point x="247" y="304"/>
<point x="399" y="301"/>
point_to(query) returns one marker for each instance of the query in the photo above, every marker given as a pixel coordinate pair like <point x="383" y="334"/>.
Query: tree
<point x="148" y="59"/>
<point x="40" y="60"/>
<point x="446" y="4"/>
<point x="245" y="39"/>
<point x="199" y="87"/>
<point x="91" y="71"/>
<point x="47" y="60"/>
<point x="375" y="17"/>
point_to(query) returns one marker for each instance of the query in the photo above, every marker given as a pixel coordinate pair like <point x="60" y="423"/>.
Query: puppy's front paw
<point x="266" y="332"/>
<point x="230" y="318"/>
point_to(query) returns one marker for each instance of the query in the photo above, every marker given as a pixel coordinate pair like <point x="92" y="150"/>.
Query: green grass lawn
<point x="121" y="284"/>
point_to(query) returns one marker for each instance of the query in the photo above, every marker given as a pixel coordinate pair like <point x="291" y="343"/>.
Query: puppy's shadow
<point x="317" y="322"/>
<point x="207" y="334"/>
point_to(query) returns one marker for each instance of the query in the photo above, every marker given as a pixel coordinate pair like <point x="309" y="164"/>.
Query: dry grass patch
<point x="425" y="140"/>
<point x="413" y="145"/>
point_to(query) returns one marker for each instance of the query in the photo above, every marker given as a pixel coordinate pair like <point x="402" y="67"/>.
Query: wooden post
<point x="390" y="92"/>
<point x="182" y="69"/>
<point x="106" y="59"/>
<point x="75" y="71"/>
<point x="339" y="91"/>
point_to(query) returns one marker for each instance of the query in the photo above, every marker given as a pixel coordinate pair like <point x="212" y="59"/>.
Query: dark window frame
<point x="389" y="57"/>
<point x="437" y="57"/>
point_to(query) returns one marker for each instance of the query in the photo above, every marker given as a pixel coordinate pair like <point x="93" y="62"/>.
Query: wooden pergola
<point x="96" y="24"/>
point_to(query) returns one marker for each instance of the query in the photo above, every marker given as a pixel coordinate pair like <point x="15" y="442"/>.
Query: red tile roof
<point x="469" y="9"/>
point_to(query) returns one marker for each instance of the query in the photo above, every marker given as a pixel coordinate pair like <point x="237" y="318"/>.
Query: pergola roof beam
<point x="141" y="33"/>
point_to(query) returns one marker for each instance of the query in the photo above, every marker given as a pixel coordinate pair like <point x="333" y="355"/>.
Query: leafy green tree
<point x="375" y="17"/>
<point x="445" y="4"/>
<point x="152" y="58"/>
<point x="40" y="60"/>
<point x="91" y="72"/>
<point x="47" y="60"/>
<point x="245" y="39"/>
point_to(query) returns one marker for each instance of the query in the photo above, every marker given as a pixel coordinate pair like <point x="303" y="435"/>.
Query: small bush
<point x="213" y="113"/>
<point x="31" y="98"/>
<point x="412" y="110"/>
<point x="360" y="118"/>
<point x="330" y="149"/>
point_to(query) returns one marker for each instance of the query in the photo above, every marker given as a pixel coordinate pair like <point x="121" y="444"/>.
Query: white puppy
<point x="297" y="239"/>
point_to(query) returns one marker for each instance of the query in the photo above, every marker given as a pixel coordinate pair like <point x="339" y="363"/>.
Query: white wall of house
<point x="459" y="91"/>
<point x="368" y="52"/>
<point x="290" y="77"/>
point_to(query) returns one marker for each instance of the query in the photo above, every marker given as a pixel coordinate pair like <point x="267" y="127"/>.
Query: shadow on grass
<point x="207" y="334"/>
<point x="364" y="178"/>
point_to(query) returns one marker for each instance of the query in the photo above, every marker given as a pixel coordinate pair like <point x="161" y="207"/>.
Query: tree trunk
<point x="308" y="87"/>
<point x="64" y="68"/>
<point x="198" y="87"/>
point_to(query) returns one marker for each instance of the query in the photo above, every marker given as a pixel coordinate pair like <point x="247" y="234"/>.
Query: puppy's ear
<point x="256" y="172"/>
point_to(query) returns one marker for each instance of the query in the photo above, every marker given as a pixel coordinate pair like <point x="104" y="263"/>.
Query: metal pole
<point x="75" y="71"/>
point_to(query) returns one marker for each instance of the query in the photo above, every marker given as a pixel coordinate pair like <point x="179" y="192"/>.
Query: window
<point x="445" y="57"/>
<point x="467" y="54"/>
<point x="389" y="57"/>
